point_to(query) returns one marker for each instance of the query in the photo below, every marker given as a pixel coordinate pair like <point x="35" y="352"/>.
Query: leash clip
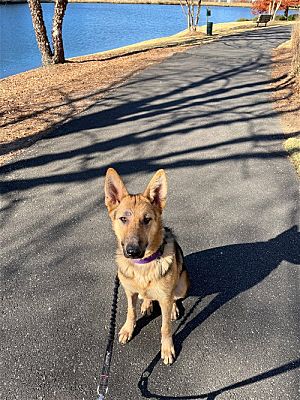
<point x="101" y="396"/>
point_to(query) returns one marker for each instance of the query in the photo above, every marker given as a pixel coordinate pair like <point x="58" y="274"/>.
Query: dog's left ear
<point x="156" y="191"/>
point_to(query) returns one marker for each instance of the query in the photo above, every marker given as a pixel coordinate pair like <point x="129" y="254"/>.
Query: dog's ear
<point x="114" y="189"/>
<point x="156" y="191"/>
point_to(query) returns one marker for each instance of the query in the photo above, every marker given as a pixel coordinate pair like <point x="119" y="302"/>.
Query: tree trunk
<point x="57" y="39"/>
<point x="198" y="12"/>
<point x="40" y="31"/>
<point x="269" y="11"/>
<point x="286" y="12"/>
<point x="276" y="9"/>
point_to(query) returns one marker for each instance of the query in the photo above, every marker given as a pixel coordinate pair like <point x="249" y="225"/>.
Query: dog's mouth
<point x="134" y="256"/>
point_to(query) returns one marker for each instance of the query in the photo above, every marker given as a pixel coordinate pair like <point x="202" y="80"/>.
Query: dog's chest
<point x="147" y="280"/>
<point x="146" y="288"/>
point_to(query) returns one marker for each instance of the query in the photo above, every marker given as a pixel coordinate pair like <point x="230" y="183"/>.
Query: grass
<point x="292" y="146"/>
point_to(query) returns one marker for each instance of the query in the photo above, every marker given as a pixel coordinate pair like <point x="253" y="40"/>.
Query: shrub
<point x="293" y="17"/>
<point x="243" y="19"/>
<point x="280" y="18"/>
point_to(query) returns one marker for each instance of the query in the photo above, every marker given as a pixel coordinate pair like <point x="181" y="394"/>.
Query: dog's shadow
<point x="228" y="271"/>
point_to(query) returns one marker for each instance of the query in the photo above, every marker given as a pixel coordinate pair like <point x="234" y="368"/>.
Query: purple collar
<point x="147" y="260"/>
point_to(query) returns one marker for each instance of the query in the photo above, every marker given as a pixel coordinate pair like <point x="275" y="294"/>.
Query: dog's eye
<point x="147" y="220"/>
<point x="123" y="220"/>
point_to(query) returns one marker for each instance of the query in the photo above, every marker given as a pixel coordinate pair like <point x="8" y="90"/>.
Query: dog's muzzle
<point x="133" y="251"/>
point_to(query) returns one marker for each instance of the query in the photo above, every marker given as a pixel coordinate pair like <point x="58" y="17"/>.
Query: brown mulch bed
<point x="286" y="93"/>
<point x="34" y="102"/>
<point x="286" y="100"/>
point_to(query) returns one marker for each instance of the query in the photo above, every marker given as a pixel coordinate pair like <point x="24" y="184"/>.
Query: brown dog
<point x="150" y="261"/>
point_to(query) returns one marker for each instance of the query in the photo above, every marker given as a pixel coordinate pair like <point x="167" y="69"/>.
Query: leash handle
<point x="103" y="382"/>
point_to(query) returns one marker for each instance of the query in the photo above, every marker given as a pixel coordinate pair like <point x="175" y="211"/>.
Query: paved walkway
<point x="204" y="116"/>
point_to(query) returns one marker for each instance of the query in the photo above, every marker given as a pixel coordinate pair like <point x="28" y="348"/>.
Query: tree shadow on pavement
<point x="228" y="271"/>
<point x="194" y="101"/>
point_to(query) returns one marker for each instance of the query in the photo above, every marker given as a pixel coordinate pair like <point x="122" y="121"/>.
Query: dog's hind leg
<point x="182" y="287"/>
<point x="127" y="329"/>
<point x="175" y="312"/>
<point x="179" y="293"/>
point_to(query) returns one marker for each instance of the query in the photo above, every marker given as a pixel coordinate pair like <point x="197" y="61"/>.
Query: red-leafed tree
<point x="272" y="6"/>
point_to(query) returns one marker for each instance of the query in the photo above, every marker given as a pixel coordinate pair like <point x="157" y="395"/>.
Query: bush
<point x="293" y="17"/>
<point x="280" y="18"/>
<point x="243" y="19"/>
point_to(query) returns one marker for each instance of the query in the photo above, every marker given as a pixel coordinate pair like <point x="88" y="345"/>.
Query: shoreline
<point x="181" y="38"/>
<point x="219" y="3"/>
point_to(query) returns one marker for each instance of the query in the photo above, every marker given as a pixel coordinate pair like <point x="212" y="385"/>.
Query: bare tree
<point x="56" y="56"/>
<point x="274" y="7"/>
<point x="57" y="39"/>
<point x="40" y="30"/>
<point x="191" y="9"/>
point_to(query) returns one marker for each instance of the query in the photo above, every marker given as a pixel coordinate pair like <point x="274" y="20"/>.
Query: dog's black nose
<point x="133" y="251"/>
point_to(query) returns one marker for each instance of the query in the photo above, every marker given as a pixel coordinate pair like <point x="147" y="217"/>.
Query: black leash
<point x="103" y="385"/>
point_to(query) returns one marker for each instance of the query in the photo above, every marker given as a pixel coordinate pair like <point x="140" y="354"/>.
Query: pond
<point x="93" y="27"/>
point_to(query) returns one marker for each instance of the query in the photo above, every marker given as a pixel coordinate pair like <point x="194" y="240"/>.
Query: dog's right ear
<point x="114" y="189"/>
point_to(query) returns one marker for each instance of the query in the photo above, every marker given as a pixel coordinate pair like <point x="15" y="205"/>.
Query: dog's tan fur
<point x="137" y="219"/>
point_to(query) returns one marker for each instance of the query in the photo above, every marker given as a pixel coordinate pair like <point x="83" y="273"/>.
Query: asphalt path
<point x="205" y="116"/>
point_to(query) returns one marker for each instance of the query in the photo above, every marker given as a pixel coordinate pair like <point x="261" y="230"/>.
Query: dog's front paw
<point x="125" y="333"/>
<point x="167" y="351"/>
<point x="147" y="307"/>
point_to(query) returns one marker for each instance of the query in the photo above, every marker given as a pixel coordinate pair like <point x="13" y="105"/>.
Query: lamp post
<point x="209" y="25"/>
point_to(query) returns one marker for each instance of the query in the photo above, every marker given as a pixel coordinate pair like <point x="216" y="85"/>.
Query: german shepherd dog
<point x="150" y="261"/>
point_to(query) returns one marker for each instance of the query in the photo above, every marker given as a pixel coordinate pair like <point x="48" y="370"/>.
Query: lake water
<point x="91" y="28"/>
